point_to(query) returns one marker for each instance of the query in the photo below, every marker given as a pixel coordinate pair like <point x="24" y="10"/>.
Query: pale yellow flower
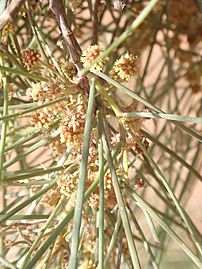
<point x="126" y="68"/>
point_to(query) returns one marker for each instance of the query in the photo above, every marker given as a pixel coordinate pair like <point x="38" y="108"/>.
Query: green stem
<point x="40" y="234"/>
<point x="22" y="73"/>
<point x="168" y="230"/>
<point x="144" y="240"/>
<point x="135" y="115"/>
<point x="173" y="154"/>
<point x="119" y="198"/>
<point x="2" y="152"/>
<point x="113" y="240"/>
<point x="173" y="197"/>
<point x="3" y="126"/>
<point x="19" y="114"/>
<point x="82" y="180"/>
<point x="145" y="102"/>
<point x="39" y="172"/>
<point x="101" y="208"/>
<point x="65" y="221"/>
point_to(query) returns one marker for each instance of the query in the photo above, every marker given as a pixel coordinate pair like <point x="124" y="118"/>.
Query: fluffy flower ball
<point x="90" y="54"/>
<point x="125" y="68"/>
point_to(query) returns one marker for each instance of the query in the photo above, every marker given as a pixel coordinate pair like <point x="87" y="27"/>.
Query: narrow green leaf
<point x="82" y="179"/>
<point x="27" y="202"/>
<point x="25" y="217"/>
<point x="22" y="73"/>
<point x="37" y="172"/>
<point x="3" y="126"/>
<point x="168" y="230"/>
<point x="35" y="108"/>
<point x="145" y="102"/>
<point x="173" y="197"/>
<point x="144" y="240"/>
<point x="155" y="115"/>
<point x="119" y="198"/>
<point x="173" y="154"/>
<point x="151" y="226"/>
<point x="101" y="208"/>
<point x="113" y="240"/>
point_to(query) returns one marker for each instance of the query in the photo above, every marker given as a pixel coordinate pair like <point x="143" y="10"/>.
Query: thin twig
<point x="74" y="49"/>
<point x="73" y="46"/>
<point x="10" y="12"/>
<point x="95" y="22"/>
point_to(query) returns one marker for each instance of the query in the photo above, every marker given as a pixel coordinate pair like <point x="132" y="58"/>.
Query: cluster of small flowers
<point x="47" y="91"/>
<point x="67" y="183"/>
<point x="51" y="197"/>
<point x="43" y="117"/>
<point x="74" y="4"/>
<point x="143" y="141"/>
<point x="58" y="149"/>
<point x="9" y="28"/>
<point x="73" y="122"/>
<point x="88" y="251"/>
<point x="30" y="59"/>
<point x="130" y="143"/>
<point x="125" y="249"/>
<point x="43" y="92"/>
<point x="109" y="194"/>
<point x="72" y="115"/>
<point x="131" y="125"/>
<point x="110" y="197"/>
<point x="126" y="68"/>
<point x="88" y="264"/>
<point x="69" y="69"/>
<point x="90" y="54"/>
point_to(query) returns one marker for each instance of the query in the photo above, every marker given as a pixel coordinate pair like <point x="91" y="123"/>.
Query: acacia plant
<point x="100" y="133"/>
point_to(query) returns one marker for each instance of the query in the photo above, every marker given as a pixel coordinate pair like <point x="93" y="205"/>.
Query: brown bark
<point x="74" y="49"/>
